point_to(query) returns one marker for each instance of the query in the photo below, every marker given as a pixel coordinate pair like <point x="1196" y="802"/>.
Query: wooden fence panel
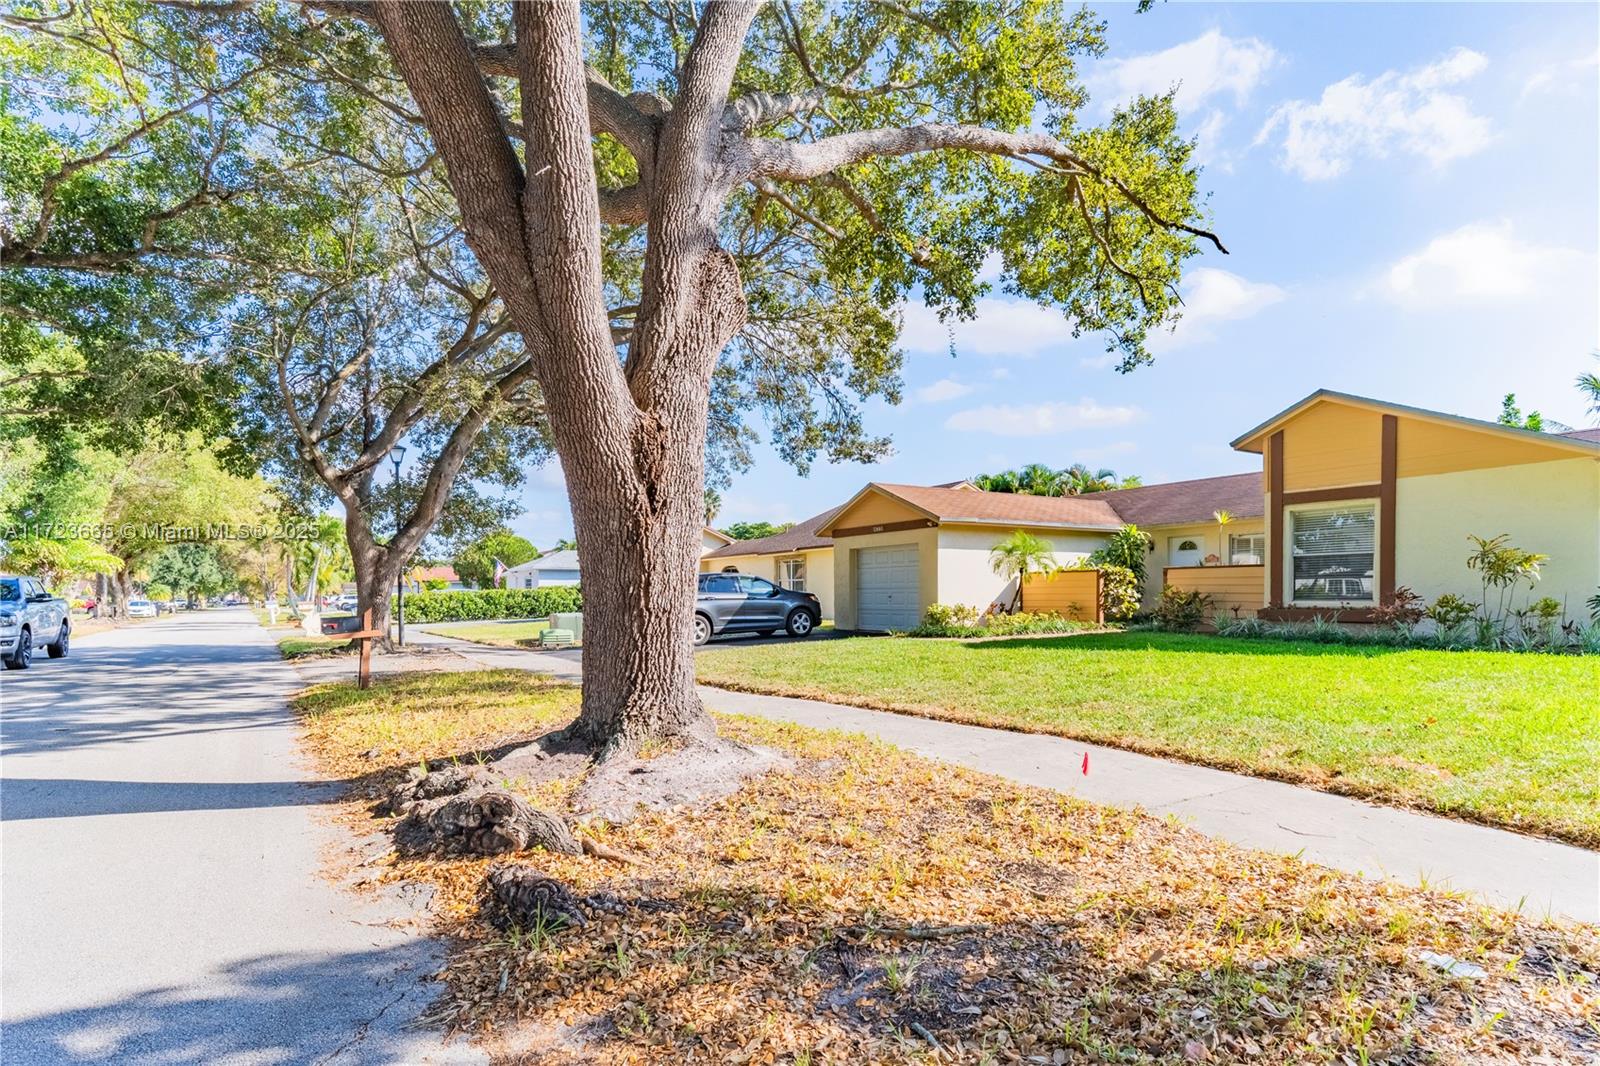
<point x="1229" y="587"/>
<point x="1073" y="594"/>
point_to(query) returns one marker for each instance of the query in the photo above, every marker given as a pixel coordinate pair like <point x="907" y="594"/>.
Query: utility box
<point x="571" y="621"/>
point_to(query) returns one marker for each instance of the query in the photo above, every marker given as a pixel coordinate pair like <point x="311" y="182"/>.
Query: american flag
<point x="499" y="572"/>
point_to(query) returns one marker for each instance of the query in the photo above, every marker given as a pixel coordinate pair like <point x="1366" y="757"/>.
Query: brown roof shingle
<point x="1005" y="508"/>
<point x="798" y="537"/>
<point x="1187" y="501"/>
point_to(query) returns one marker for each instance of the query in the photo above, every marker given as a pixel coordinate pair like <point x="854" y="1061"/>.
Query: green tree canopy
<point x="755" y="530"/>
<point x="1037" y="479"/>
<point x="475" y="564"/>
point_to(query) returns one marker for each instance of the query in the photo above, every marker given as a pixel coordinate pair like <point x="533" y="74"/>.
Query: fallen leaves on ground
<point x="872" y="905"/>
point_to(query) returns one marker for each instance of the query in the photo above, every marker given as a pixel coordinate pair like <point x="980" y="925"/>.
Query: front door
<point x="1185" y="551"/>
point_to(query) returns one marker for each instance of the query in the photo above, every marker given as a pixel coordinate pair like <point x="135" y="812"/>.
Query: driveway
<point x="163" y="876"/>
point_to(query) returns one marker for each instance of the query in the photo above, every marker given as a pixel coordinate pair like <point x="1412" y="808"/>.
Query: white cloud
<point x="1209" y="66"/>
<point x="1003" y="327"/>
<point x="1567" y="76"/>
<point x="1211" y="296"/>
<point x="1039" y="420"/>
<point x="1409" y="112"/>
<point x="940" y="391"/>
<point x="1480" y="262"/>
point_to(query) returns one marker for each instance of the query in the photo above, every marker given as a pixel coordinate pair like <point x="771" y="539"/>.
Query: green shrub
<point x="480" y="605"/>
<point x="1450" y="610"/>
<point x="1181" y="610"/>
<point x="1120" y="591"/>
<point x="949" y="615"/>
<point x="1126" y="548"/>
<point x="958" y="621"/>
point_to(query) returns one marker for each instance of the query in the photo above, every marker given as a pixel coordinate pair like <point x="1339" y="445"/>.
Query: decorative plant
<point x="1181" y="610"/>
<point x="1019" y="555"/>
<point x="1224" y="518"/>
<point x="1502" y="566"/>
<point x="949" y="615"/>
<point x="1450" y="610"/>
<point x="1593" y="603"/>
<point x="1401" y="610"/>
<point x="1120" y="592"/>
<point x="1128" y="547"/>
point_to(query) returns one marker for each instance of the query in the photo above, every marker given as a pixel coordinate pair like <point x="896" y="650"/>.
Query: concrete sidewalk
<point x="1539" y="876"/>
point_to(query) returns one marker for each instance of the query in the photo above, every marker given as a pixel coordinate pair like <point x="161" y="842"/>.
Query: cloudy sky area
<point x="1409" y="196"/>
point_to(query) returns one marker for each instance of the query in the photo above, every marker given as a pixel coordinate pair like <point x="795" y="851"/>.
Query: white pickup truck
<point x="30" y="617"/>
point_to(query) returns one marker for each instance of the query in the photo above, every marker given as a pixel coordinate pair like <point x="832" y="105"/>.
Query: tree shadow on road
<point x="356" y="1007"/>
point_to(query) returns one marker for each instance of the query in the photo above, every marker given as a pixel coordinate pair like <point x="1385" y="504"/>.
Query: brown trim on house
<point x="1306" y="614"/>
<point x="1214" y="566"/>
<point x="1347" y="492"/>
<point x="1390" y="465"/>
<point x="1275" y="519"/>
<point x="886" y="527"/>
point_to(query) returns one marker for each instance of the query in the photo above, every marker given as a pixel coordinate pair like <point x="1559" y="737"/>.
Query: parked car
<point x="30" y="617"/>
<point x="345" y="603"/>
<point x="141" y="609"/>
<point x="741" y="603"/>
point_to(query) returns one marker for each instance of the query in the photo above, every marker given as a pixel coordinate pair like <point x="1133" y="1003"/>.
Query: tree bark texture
<point x="631" y="436"/>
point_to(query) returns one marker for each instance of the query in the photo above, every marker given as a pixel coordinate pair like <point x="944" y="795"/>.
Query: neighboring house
<point x="1364" y="496"/>
<point x="1356" y="497"/>
<point x="418" y="578"/>
<point x="899" y="548"/>
<point x="711" y="540"/>
<point x="557" y="568"/>
<point x="799" y="558"/>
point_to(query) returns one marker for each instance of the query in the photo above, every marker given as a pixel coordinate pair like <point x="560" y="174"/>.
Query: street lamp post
<point x="396" y="455"/>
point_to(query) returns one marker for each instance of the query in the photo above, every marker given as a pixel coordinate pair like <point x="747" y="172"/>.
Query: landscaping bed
<point x="1511" y="740"/>
<point x="518" y="634"/>
<point x="870" y="905"/>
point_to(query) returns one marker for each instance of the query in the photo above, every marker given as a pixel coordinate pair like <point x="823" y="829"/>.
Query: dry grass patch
<point x="872" y="905"/>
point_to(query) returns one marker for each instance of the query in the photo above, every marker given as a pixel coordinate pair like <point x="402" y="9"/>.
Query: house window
<point x="792" y="573"/>
<point x="1246" y="549"/>
<point x="1333" y="551"/>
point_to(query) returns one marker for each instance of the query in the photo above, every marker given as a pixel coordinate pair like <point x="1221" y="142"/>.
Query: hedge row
<point x="482" y="604"/>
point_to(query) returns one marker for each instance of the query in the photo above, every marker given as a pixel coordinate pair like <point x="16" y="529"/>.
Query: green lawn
<point x="1511" y="739"/>
<point x="505" y="634"/>
<point x="300" y="645"/>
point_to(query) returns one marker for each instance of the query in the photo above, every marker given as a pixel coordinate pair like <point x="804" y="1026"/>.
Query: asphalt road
<point x="162" y="850"/>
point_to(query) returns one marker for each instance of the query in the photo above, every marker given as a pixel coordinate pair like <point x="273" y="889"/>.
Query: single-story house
<point x="420" y="577"/>
<point x="798" y="558"/>
<point x="1355" y="498"/>
<point x="557" y="568"/>
<point x="1364" y="497"/>
<point x="712" y="539"/>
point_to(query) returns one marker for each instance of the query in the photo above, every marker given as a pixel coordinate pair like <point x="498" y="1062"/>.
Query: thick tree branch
<point x="790" y="161"/>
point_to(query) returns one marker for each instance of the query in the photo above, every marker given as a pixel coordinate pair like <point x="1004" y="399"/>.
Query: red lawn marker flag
<point x="1086" y="764"/>
<point x="499" y="572"/>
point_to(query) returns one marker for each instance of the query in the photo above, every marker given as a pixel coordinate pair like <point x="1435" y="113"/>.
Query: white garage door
<point x="887" y="583"/>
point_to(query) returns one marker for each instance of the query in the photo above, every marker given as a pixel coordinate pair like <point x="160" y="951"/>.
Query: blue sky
<point x="1411" y="196"/>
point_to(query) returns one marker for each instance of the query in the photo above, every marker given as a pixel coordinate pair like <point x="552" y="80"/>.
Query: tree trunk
<point x="376" y="571"/>
<point x="121" y="593"/>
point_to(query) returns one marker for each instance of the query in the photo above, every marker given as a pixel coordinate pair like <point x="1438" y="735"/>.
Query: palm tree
<point x="1019" y="555"/>
<point x="1036" y="479"/>
<point x="1589" y="385"/>
<point x="1223" y="518"/>
<point x="1080" y="479"/>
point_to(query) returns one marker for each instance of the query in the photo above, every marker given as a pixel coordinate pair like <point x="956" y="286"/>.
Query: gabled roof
<point x="1583" y="434"/>
<point x="945" y="504"/>
<point x="566" y="559"/>
<point x="1252" y="440"/>
<point x="798" y="537"/>
<point x="717" y="534"/>
<point x="1182" y="502"/>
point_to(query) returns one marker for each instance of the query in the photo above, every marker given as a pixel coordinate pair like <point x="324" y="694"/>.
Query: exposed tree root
<point x="482" y="820"/>
<point x="601" y="851"/>
<point x="699" y="771"/>
<point x="523" y="897"/>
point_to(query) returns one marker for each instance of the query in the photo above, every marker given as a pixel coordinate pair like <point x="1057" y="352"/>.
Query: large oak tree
<point x="688" y="209"/>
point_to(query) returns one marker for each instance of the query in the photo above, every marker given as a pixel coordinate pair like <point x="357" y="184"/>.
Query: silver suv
<point x="740" y="603"/>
